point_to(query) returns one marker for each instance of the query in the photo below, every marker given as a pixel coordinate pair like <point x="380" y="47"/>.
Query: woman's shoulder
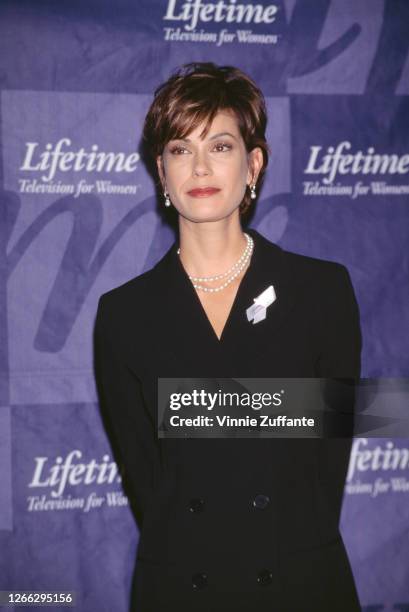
<point x="327" y="281"/>
<point x="139" y="290"/>
<point x="129" y="301"/>
<point x="302" y="268"/>
<point x="324" y="283"/>
<point x="305" y="265"/>
<point x="125" y="290"/>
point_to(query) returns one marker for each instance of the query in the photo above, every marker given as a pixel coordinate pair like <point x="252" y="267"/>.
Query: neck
<point x="210" y="248"/>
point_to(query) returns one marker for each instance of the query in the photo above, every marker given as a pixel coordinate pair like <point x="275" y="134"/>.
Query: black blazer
<point x="230" y="524"/>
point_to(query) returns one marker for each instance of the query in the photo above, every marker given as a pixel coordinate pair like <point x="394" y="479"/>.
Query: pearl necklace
<point x="234" y="271"/>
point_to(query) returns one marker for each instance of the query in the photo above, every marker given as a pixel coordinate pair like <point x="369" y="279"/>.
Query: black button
<point x="196" y="504"/>
<point x="261" y="501"/>
<point x="265" y="577"/>
<point x="199" y="581"/>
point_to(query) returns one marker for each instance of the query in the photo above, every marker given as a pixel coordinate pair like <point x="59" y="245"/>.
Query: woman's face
<point x="219" y="163"/>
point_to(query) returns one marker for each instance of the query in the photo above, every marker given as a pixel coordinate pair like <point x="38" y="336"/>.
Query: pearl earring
<point x="167" y="199"/>
<point x="253" y="192"/>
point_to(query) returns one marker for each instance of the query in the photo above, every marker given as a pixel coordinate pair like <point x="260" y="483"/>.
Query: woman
<point x="226" y="524"/>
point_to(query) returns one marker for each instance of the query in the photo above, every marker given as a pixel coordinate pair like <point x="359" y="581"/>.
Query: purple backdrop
<point x="79" y="215"/>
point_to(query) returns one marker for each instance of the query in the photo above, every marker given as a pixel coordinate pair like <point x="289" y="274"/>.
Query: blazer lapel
<point x="268" y="267"/>
<point x="185" y="330"/>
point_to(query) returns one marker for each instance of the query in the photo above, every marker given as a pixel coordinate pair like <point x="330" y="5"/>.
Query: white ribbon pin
<point x="258" y="310"/>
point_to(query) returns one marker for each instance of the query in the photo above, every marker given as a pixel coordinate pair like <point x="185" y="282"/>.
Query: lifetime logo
<point x="365" y="458"/>
<point x="70" y="471"/>
<point x="338" y="160"/>
<point x="195" y="11"/>
<point x="54" y="158"/>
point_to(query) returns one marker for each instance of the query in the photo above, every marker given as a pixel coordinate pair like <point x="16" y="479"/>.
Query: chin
<point x="207" y="213"/>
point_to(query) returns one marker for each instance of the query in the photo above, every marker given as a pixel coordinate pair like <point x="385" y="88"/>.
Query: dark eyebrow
<point x="211" y="138"/>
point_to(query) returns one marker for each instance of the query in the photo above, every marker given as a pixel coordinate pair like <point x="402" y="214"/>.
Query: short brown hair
<point x="195" y="93"/>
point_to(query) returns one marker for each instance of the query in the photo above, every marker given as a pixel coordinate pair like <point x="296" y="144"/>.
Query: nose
<point x="201" y="166"/>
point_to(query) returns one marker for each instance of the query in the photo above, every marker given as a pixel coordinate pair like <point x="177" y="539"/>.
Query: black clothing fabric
<point x="231" y="525"/>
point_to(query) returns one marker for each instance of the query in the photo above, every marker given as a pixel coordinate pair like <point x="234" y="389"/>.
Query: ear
<point x="255" y="165"/>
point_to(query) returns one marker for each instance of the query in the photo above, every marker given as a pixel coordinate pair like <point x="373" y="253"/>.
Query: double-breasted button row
<point x="200" y="580"/>
<point x="260" y="502"/>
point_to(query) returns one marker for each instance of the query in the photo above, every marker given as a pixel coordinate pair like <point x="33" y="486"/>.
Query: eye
<point x="226" y="146"/>
<point x="176" y="150"/>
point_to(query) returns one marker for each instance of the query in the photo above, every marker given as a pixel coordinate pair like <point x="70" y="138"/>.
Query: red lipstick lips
<point x="203" y="193"/>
